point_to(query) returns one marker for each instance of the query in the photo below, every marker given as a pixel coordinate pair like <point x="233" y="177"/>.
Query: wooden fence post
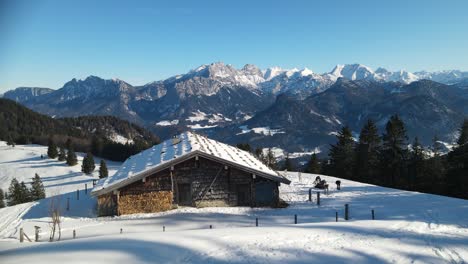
<point x="36" y="233"/>
<point x="346" y="212"/>
<point x="21" y="235"/>
<point x="318" y="198"/>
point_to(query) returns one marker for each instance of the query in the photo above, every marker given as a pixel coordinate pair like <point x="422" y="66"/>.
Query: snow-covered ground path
<point x="409" y="228"/>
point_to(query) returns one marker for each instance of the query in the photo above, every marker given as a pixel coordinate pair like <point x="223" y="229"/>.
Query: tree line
<point x="391" y="160"/>
<point x="19" y="192"/>
<point x="69" y="156"/>
<point x="21" y="125"/>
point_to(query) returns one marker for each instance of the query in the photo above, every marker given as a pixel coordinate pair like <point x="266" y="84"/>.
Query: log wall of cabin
<point x="159" y="191"/>
<point x="107" y="205"/>
<point x="212" y="183"/>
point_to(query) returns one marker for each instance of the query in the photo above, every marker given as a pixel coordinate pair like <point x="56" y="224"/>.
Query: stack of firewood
<point x="149" y="202"/>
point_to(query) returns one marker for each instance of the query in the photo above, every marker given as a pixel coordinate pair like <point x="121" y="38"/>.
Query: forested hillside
<point x="106" y="136"/>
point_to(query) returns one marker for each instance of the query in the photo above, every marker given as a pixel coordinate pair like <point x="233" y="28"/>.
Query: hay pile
<point x="149" y="202"/>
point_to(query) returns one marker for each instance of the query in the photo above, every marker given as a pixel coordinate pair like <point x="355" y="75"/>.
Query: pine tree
<point x="313" y="166"/>
<point x="259" y="153"/>
<point x="14" y="193"/>
<point x="457" y="179"/>
<point x="288" y="164"/>
<point x="436" y="167"/>
<point x="270" y="159"/>
<point x="10" y="141"/>
<point x="37" y="188"/>
<point x="103" y="173"/>
<point x="71" y="158"/>
<point x="69" y="144"/>
<point x="394" y="149"/>
<point x="244" y="146"/>
<point x="52" y="149"/>
<point x="367" y="152"/>
<point x="62" y="156"/>
<point x="97" y="146"/>
<point x="88" y="164"/>
<point x="463" y="138"/>
<point x="416" y="163"/>
<point x="24" y="193"/>
<point x="2" y="199"/>
<point x="341" y="154"/>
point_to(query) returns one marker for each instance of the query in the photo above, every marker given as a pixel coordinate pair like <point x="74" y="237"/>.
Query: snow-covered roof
<point x="184" y="146"/>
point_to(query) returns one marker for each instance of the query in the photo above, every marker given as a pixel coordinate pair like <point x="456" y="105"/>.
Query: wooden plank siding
<point x="211" y="183"/>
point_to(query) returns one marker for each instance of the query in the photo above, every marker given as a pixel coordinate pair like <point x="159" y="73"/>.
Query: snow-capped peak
<point x="272" y="72"/>
<point x="353" y="72"/>
<point x="306" y="72"/>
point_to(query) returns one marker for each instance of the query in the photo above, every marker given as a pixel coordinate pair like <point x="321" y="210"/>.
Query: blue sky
<point x="47" y="43"/>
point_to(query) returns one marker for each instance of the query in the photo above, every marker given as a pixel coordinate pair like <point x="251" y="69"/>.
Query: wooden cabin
<point x="188" y="170"/>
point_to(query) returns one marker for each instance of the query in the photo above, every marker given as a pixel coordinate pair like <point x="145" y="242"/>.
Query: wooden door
<point x="243" y="194"/>
<point x="185" y="194"/>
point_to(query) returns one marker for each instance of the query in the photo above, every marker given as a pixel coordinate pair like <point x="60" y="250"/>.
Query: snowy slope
<point x="23" y="161"/>
<point x="409" y="228"/>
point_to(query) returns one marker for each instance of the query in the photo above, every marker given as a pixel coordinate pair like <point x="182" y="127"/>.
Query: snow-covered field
<point x="409" y="227"/>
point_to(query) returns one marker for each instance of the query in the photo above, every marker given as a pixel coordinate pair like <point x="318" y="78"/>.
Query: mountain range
<point x="297" y="110"/>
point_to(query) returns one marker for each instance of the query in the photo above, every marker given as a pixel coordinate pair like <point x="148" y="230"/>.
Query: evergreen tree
<point x="341" y="154"/>
<point x="463" y="138"/>
<point x="10" y="141"/>
<point x="270" y="159"/>
<point x="52" y="149"/>
<point x="244" y="146"/>
<point x="37" y="188"/>
<point x="259" y="153"/>
<point x="69" y="144"/>
<point x="2" y="199"/>
<point x="288" y="164"/>
<point x="97" y="146"/>
<point x="14" y="193"/>
<point x="62" y="156"/>
<point x="368" y="153"/>
<point x="437" y="166"/>
<point x="313" y="166"/>
<point x="394" y="149"/>
<point x="103" y="173"/>
<point x="88" y="164"/>
<point x="24" y="193"/>
<point x="71" y="158"/>
<point x="457" y="176"/>
<point x="416" y="163"/>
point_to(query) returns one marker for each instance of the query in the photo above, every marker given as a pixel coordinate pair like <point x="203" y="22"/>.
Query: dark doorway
<point x="243" y="194"/>
<point x="265" y="193"/>
<point x="185" y="194"/>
